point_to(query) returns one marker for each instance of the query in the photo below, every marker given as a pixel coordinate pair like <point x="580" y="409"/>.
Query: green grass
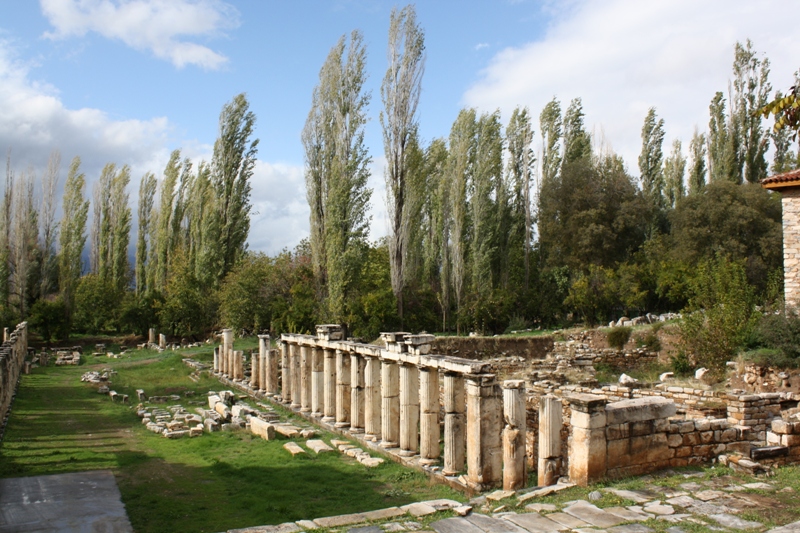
<point x="211" y="483"/>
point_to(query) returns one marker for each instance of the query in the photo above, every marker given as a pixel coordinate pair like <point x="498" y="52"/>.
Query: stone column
<point x="226" y="352"/>
<point x="294" y="361"/>
<point x="587" y="446"/>
<point x="151" y="335"/>
<point x="484" y="427"/>
<point x="272" y="371"/>
<point x="372" y="400"/>
<point x="329" y="386"/>
<point x="255" y="371"/>
<point x="455" y="422"/>
<point x="317" y="381"/>
<point x="238" y="365"/>
<point x="550" y="414"/>
<point x="409" y="410"/>
<point x="305" y="379"/>
<point x="342" y="389"/>
<point x="286" y="373"/>
<point x="162" y="341"/>
<point x="515" y="475"/>
<point x="357" y="384"/>
<point x="216" y="359"/>
<point x="390" y="404"/>
<point x="263" y="365"/>
<point x="429" y="415"/>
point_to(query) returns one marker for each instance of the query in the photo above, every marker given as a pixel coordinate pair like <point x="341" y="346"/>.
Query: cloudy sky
<point x="128" y="81"/>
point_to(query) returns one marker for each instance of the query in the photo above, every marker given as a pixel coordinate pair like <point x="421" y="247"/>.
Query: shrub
<point x="780" y="332"/>
<point x="49" y="319"/>
<point x="650" y="341"/>
<point x="681" y="364"/>
<point x="769" y="357"/>
<point x="618" y="337"/>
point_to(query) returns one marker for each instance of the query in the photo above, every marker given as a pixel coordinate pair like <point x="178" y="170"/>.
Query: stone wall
<point x="12" y="357"/>
<point x="790" y="201"/>
<point x="491" y="347"/>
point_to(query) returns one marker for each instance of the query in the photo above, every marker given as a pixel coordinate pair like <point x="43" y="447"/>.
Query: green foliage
<point x="649" y="340"/>
<point x="720" y="316"/>
<point x="244" y="296"/>
<point x="618" y="337"/>
<point x="48" y="318"/>
<point x="188" y="308"/>
<point x="766" y="357"/>
<point x="97" y="302"/>
<point x="681" y="364"/>
<point x="776" y="340"/>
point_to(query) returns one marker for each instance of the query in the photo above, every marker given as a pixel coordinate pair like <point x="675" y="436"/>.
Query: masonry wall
<point x="12" y="357"/>
<point x="790" y="201"/>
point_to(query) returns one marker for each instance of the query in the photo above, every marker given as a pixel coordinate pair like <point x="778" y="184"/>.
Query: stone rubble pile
<point x="173" y="422"/>
<point x="68" y="358"/>
<point x="649" y="318"/>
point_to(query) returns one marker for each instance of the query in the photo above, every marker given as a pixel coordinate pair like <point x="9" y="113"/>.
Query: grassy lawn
<point x="211" y="483"/>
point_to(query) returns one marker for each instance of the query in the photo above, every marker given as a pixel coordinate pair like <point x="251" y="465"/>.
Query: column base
<point x="428" y="462"/>
<point x="372" y="437"/>
<point x="316" y="415"/>
<point x="328" y="419"/>
<point x="356" y="431"/>
<point x="342" y="425"/>
<point x="294" y="405"/>
<point x="305" y="410"/>
<point x="406" y="453"/>
<point x="450" y="473"/>
<point x="389" y="444"/>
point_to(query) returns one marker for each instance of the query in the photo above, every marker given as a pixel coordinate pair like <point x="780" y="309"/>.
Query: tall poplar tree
<point x="651" y="159"/>
<point x="487" y="201"/>
<point x="400" y="93"/>
<point x="551" y="128"/>
<point x="519" y="134"/>
<point x="577" y="144"/>
<point x="72" y="238"/>
<point x="697" y="162"/>
<point x="751" y="90"/>
<point x="49" y="226"/>
<point x="674" y="170"/>
<point x="147" y="192"/>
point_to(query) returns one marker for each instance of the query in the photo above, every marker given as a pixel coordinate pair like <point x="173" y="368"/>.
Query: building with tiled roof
<point x="788" y="184"/>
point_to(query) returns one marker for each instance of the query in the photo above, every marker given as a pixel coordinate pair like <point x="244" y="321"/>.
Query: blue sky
<point x="129" y="81"/>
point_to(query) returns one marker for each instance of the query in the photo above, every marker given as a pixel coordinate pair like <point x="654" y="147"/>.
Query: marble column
<point x="305" y="379"/>
<point x="357" y="384"/>
<point x="484" y="429"/>
<point x="342" y="389"/>
<point x="514" y="471"/>
<point x="587" y="446"/>
<point x="429" y="415"/>
<point x="390" y="404"/>
<point x="216" y="359"/>
<point x="329" y="386"/>
<point x="372" y="400"/>
<point x="238" y="365"/>
<point x="162" y="341"/>
<point x="317" y="381"/>
<point x="227" y="352"/>
<point x="455" y="422"/>
<point x="550" y="423"/>
<point x="272" y="371"/>
<point x="151" y="335"/>
<point x="255" y="371"/>
<point x="286" y="373"/>
<point x="263" y="349"/>
<point x="294" y="361"/>
<point x="409" y="410"/>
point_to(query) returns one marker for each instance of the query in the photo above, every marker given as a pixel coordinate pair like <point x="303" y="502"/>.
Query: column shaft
<point x="305" y="379"/>
<point x="342" y="389"/>
<point x="455" y="422"/>
<point x="429" y="415"/>
<point x="294" y="360"/>
<point x="263" y="363"/>
<point x="390" y="404"/>
<point x="409" y="409"/>
<point x="255" y="371"/>
<point x="286" y="373"/>
<point x="329" y="386"/>
<point x="372" y="392"/>
<point x="317" y="381"/>
<point x="357" y="367"/>
<point x="550" y="422"/>
<point x="484" y="424"/>
<point x="272" y="371"/>
<point x="514" y="471"/>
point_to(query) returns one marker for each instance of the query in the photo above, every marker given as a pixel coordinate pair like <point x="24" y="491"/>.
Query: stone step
<point x="768" y="452"/>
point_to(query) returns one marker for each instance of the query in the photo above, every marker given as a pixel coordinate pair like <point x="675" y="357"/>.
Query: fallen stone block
<point x="211" y="425"/>
<point x="317" y="445"/>
<point x="263" y="429"/>
<point x="287" y="431"/>
<point x="176" y="434"/>
<point x="293" y="448"/>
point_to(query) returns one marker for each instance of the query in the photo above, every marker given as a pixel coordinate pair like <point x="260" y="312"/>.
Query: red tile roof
<point x="787" y="179"/>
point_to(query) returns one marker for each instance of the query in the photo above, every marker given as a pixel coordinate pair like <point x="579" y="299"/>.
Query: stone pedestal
<point x="484" y="425"/>
<point x="329" y="386"/>
<point x="357" y="385"/>
<point x="151" y="335"/>
<point x="587" y="446"/>
<point x="390" y="404"/>
<point x="272" y="371"/>
<point x="550" y="423"/>
<point x="429" y="415"/>
<point x="342" y="389"/>
<point x="162" y="341"/>
<point x="317" y="381"/>
<point x="455" y="422"/>
<point x="227" y="352"/>
<point x="294" y="361"/>
<point x="305" y="379"/>
<point x="372" y="399"/>
<point x="216" y="359"/>
<point x="286" y="374"/>
<point x="238" y="365"/>
<point x="409" y="410"/>
<point x="263" y="364"/>
<point x="514" y="465"/>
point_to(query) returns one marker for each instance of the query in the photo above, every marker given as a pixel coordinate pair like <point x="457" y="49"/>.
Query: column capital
<point x="514" y="384"/>
<point x="587" y="403"/>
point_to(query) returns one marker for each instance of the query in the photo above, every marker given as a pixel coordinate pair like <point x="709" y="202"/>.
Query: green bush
<point x="681" y="365"/>
<point x="769" y="357"/>
<point x="49" y="319"/>
<point x="649" y="340"/>
<point x="780" y="332"/>
<point x="618" y="337"/>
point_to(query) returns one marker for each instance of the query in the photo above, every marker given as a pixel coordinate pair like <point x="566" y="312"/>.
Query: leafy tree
<point x="697" y="162"/>
<point x="72" y="238"/>
<point x="49" y="226"/>
<point x="577" y="144"/>
<point x="786" y="109"/>
<point x="486" y="202"/>
<point x="97" y="303"/>
<point x="720" y="148"/>
<point x="245" y="293"/>
<point x="751" y="90"/>
<point x="550" y="125"/>
<point x="231" y="170"/>
<point x="48" y="318"/>
<point x="400" y="93"/>
<point x="674" y="169"/>
<point x="147" y="191"/>
<point x="188" y="308"/>
<point x="651" y="159"/>
<point x="111" y="225"/>
<point x="519" y="227"/>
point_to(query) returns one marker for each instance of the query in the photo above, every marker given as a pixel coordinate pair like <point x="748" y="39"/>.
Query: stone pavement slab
<point x="708" y="495"/>
<point x="630" y="528"/>
<point x="733" y="522"/>
<point x="418" y="509"/>
<point x="83" y="502"/>
<point x="567" y="520"/>
<point x="629" y="515"/>
<point x="366" y="529"/>
<point x="535" y="523"/>
<point x="788" y="528"/>
<point x="293" y="448"/>
<point x="318" y="446"/>
<point x="493" y="525"/>
<point x="455" y="525"/>
<point x="637" y="496"/>
<point x="593" y="515"/>
<point x="383" y="514"/>
<point x="341" y="520"/>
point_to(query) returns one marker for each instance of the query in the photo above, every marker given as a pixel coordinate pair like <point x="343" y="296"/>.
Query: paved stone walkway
<point x="83" y="502"/>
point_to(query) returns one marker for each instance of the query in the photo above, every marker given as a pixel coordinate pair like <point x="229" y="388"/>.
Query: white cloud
<point x="160" y="26"/>
<point x="481" y="46"/>
<point x="623" y="56"/>
<point x="279" y="218"/>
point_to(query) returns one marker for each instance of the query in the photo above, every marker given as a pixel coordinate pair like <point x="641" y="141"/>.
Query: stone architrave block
<point x="265" y="430"/>
<point x="639" y="410"/>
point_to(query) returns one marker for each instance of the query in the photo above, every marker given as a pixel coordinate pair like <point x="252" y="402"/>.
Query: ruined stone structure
<point x="788" y="184"/>
<point x="12" y="358"/>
